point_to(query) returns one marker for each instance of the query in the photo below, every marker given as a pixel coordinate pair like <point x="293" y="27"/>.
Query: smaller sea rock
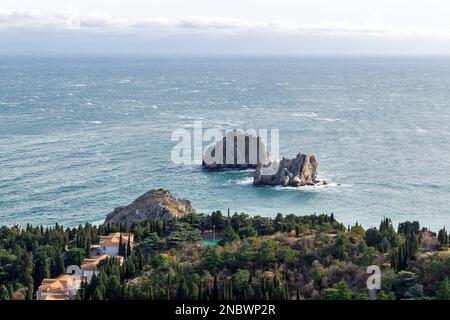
<point x="297" y="172"/>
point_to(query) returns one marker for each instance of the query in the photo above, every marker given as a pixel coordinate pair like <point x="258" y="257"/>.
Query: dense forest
<point x="285" y="257"/>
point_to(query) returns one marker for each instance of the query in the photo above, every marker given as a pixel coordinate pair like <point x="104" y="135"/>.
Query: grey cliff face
<point x="237" y="150"/>
<point x="157" y="204"/>
<point x="297" y="172"/>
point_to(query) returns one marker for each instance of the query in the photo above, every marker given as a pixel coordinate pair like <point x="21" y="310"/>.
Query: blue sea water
<point x="82" y="135"/>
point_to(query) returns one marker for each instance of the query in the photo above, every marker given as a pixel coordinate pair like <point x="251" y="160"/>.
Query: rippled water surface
<point x="80" y="136"/>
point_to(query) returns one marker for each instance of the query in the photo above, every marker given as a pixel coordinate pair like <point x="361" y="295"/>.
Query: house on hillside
<point x="110" y="244"/>
<point x="64" y="287"/>
<point x="89" y="266"/>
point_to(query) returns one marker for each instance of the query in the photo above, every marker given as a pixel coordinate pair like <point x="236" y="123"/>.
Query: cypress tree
<point x="129" y="246"/>
<point x="286" y="291"/>
<point x="30" y="291"/>
<point x="11" y="290"/>
<point x="443" y="238"/>
<point x="394" y="260"/>
<point x="297" y="230"/>
<point x="215" y="293"/>
<point x="182" y="291"/>
<point x="98" y="295"/>
<point x="121" y="246"/>
<point x="224" y="292"/>
<point x="443" y="292"/>
<point x="200" y="291"/>
<point x="151" y="293"/>
<point x="88" y="246"/>
<point x="169" y="285"/>
<point x="262" y="288"/>
<point x="4" y="293"/>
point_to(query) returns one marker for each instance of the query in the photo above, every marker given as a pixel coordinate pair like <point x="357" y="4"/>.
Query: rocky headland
<point x="157" y="204"/>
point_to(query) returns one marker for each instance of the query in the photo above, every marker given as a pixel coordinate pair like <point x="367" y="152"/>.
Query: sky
<point x="226" y="27"/>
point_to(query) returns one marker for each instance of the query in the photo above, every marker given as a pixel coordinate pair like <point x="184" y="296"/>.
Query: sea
<point x="81" y="135"/>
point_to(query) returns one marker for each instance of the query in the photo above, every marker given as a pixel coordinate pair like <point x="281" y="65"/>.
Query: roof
<point x="113" y="239"/>
<point x="58" y="285"/>
<point x="91" y="264"/>
<point x="50" y="297"/>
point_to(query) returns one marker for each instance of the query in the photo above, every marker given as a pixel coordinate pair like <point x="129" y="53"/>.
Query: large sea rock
<point x="157" y="204"/>
<point x="297" y="172"/>
<point x="237" y="150"/>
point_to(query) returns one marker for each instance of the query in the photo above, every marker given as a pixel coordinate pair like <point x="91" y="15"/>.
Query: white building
<point x="109" y="244"/>
<point x="90" y="266"/>
<point x="65" y="287"/>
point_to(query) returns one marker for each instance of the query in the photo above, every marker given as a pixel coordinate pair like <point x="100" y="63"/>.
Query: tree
<point x="385" y="245"/>
<point x="152" y="243"/>
<point x="443" y="293"/>
<point x="128" y="253"/>
<point x="267" y="254"/>
<point x="358" y="230"/>
<point x="74" y="256"/>
<point x="122" y="248"/>
<point x="289" y="256"/>
<point x="41" y="266"/>
<point x="30" y="287"/>
<point x="342" y="241"/>
<point x="394" y="260"/>
<point x="339" y="291"/>
<point x="373" y="237"/>
<point x="385" y="296"/>
<point x="263" y="225"/>
<point x="217" y="220"/>
<point x="4" y="293"/>
<point x="247" y="232"/>
<point x="98" y="295"/>
<point x="443" y="238"/>
<point x="169" y="286"/>
<point x="240" y="283"/>
<point x="182" y="233"/>
<point x="279" y="226"/>
<point x="201" y="291"/>
<point x="215" y="293"/>
<point x="183" y="290"/>
<point x="401" y="255"/>
<point x="229" y="236"/>
<point x="369" y="255"/>
<point x="409" y="227"/>
<point x="113" y="288"/>
<point x="6" y="265"/>
<point x="213" y="258"/>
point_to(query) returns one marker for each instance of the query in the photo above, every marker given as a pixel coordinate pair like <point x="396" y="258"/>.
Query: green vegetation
<point x="286" y="257"/>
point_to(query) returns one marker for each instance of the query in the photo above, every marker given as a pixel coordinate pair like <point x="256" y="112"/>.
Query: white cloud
<point x="93" y="22"/>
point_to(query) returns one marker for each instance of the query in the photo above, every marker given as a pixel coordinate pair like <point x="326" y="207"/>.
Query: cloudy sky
<point x="226" y="26"/>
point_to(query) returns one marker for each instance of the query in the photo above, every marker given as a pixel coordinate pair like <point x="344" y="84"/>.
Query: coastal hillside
<point x="226" y="257"/>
